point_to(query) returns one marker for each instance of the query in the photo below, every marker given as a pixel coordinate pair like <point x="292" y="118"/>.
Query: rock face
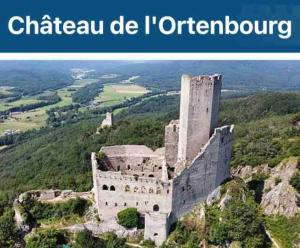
<point x="247" y="172"/>
<point x="278" y="197"/>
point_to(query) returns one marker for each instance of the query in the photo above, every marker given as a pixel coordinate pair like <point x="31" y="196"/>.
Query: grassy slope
<point x="285" y="231"/>
<point x="35" y="119"/>
<point x="5" y="106"/>
<point x="117" y="93"/>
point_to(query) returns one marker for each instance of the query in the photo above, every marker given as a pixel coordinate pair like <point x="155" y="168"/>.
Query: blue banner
<point x="150" y="26"/>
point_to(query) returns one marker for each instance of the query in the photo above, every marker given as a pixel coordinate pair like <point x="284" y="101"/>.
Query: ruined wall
<point x="199" y="107"/>
<point x="156" y="227"/>
<point x="114" y="192"/>
<point x="108" y="121"/>
<point x="134" y="160"/>
<point x="207" y="171"/>
<point x="171" y="142"/>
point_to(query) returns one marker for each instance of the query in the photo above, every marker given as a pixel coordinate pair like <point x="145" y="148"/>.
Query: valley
<point x="258" y="207"/>
<point x="36" y="118"/>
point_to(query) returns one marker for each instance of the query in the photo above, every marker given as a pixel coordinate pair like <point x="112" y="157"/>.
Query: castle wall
<point x="171" y="142"/>
<point x="114" y="192"/>
<point x="157" y="227"/>
<point x="134" y="160"/>
<point x="199" y="107"/>
<point x="136" y="176"/>
<point x="108" y="121"/>
<point x="207" y="171"/>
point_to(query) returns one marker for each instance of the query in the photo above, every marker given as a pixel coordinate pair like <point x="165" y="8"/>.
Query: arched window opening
<point x="104" y="187"/>
<point x="125" y="204"/>
<point x="182" y="189"/>
<point x="112" y="188"/>
<point x="155" y="234"/>
<point x="116" y="204"/>
<point x="137" y="204"/>
<point x="144" y="190"/>
<point x="118" y="167"/>
<point x="151" y="191"/>
<point x="174" y="128"/>
<point x="136" y="189"/>
<point x="156" y="208"/>
<point x="151" y="175"/>
<point x="128" y="167"/>
<point x="127" y="188"/>
<point x="106" y="203"/>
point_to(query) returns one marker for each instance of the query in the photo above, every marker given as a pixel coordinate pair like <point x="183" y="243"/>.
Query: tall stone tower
<point x="108" y="121"/>
<point x="199" y="107"/>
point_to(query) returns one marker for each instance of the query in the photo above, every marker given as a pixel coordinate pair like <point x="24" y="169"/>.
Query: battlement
<point x="215" y="77"/>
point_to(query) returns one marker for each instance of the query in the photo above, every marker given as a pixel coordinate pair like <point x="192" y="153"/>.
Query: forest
<point x="25" y="165"/>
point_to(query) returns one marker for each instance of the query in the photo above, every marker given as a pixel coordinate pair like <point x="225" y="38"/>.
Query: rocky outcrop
<point x="21" y="222"/>
<point x="214" y="196"/>
<point x="247" y="172"/>
<point x="278" y="197"/>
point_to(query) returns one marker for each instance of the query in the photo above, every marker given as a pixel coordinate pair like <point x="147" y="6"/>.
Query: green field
<point x="116" y="93"/>
<point x="25" y="121"/>
<point x="112" y="94"/>
<point x="5" y="106"/>
<point x="35" y="118"/>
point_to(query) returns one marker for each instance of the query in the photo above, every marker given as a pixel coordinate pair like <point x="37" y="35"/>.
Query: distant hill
<point x="238" y="75"/>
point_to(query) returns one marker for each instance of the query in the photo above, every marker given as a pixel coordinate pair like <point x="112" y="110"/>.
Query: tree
<point x="85" y="239"/>
<point x="295" y="181"/>
<point x="112" y="241"/>
<point x="46" y="239"/>
<point x="128" y="217"/>
<point x="8" y="230"/>
<point x="243" y="222"/>
<point x="218" y="234"/>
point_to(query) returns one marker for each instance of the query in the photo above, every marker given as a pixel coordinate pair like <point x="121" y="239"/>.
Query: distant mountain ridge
<point x="238" y="75"/>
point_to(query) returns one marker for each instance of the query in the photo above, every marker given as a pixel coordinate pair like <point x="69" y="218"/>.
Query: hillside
<point x="267" y="131"/>
<point x="64" y="152"/>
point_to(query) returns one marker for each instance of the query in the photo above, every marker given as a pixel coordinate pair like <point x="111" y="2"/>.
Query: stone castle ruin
<point x="108" y="121"/>
<point x="169" y="182"/>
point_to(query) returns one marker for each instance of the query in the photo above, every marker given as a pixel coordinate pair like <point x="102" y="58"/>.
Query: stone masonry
<point x="169" y="182"/>
<point x="108" y="121"/>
